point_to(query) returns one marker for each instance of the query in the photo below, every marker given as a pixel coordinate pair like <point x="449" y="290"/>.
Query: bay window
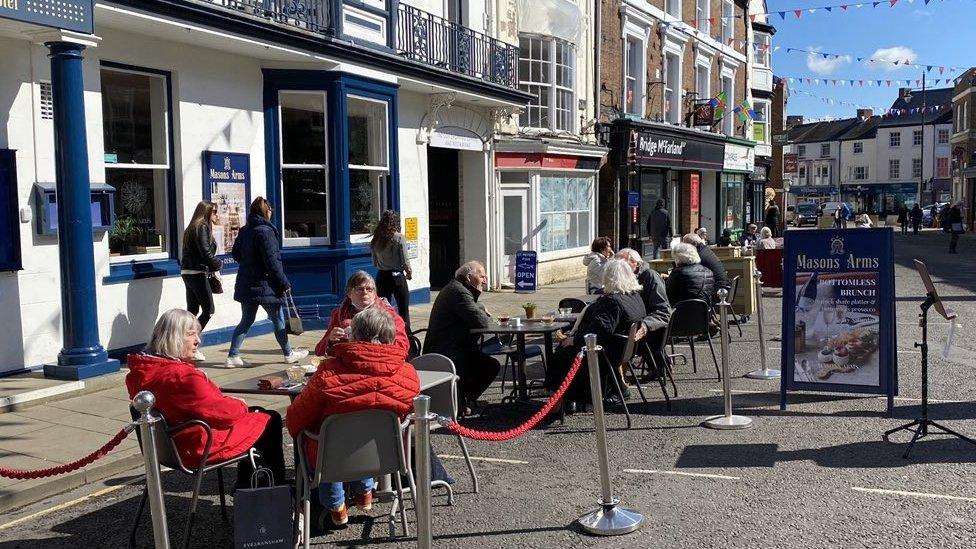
<point x="762" y="49"/>
<point x="760" y="125"/>
<point x="546" y="70"/>
<point x="304" y="170"/>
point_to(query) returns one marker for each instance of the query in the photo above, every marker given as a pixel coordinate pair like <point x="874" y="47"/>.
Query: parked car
<point x="806" y="214"/>
<point x="927" y="213"/>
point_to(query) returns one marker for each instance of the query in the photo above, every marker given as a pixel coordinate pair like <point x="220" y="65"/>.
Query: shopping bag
<point x="295" y="327"/>
<point x="264" y="515"/>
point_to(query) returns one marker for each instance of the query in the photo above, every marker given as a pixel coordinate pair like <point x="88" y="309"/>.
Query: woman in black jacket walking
<point x="261" y="282"/>
<point x="198" y="263"/>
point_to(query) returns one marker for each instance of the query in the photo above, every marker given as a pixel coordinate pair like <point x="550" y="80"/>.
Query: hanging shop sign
<point x="739" y="158"/>
<point x="704" y="114"/>
<point x="227" y="183"/>
<point x="72" y="15"/>
<point x="695" y="191"/>
<point x="791" y="163"/>
<point x="838" y="311"/>
<point x="658" y="149"/>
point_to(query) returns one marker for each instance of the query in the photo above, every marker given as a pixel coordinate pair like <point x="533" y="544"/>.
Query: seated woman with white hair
<point x="612" y="313"/>
<point x="766" y="240"/>
<point x="689" y="279"/>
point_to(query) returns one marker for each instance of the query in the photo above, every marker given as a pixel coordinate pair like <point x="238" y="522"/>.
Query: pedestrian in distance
<point x="601" y="250"/>
<point x="702" y="233"/>
<point x="954" y="224"/>
<point x="198" y="263"/>
<point x="916" y="216"/>
<point x="845" y="214"/>
<point x="751" y="236"/>
<point x="261" y="282"/>
<point x="771" y="218"/>
<point x="767" y="242"/>
<point x="903" y="218"/>
<point x="659" y="228"/>
<point x="389" y="250"/>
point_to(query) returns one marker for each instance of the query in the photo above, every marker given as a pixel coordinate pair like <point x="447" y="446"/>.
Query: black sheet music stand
<point x="922" y="424"/>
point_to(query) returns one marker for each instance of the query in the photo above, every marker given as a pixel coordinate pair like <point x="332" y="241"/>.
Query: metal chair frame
<point x="690" y="337"/>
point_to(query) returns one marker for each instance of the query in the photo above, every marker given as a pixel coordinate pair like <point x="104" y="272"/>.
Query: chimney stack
<point x="793" y="120"/>
<point x="902" y="92"/>
<point x="865" y="114"/>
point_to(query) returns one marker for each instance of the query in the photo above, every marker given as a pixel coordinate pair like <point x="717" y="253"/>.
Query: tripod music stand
<point x="922" y="424"/>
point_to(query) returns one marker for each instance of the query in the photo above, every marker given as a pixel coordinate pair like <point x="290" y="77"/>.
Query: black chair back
<point x="416" y="347"/>
<point x="572" y="303"/>
<point x="734" y="287"/>
<point x="689" y="318"/>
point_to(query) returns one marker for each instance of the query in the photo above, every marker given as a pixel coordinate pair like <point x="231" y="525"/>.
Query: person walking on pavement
<point x="771" y="218"/>
<point x="601" y="250"/>
<point x="199" y="263"/>
<point x="845" y="214"/>
<point x="659" y="228"/>
<point x="261" y="282"/>
<point x="916" y="216"/>
<point x="389" y="249"/>
<point x="903" y="218"/>
<point x="954" y="224"/>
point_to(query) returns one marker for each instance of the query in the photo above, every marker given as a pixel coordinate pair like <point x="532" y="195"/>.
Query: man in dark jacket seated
<point x="709" y="260"/>
<point x="656" y="305"/>
<point x="455" y="313"/>
<point x="612" y="313"/>
<point x="689" y="279"/>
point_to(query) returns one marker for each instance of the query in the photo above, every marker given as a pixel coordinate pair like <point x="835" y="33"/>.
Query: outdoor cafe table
<point x="534" y="327"/>
<point x="428" y="379"/>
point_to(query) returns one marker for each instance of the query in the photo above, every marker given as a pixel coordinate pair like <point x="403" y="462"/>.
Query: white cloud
<point x="819" y="64"/>
<point x="885" y="58"/>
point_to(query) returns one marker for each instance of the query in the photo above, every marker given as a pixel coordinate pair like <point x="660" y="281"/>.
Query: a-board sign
<point x="526" y="265"/>
<point x="227" y="183"/>
<point x="838" y="312"/>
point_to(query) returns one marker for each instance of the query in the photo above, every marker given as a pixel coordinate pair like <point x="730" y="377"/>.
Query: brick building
<point x="963" y="143"/>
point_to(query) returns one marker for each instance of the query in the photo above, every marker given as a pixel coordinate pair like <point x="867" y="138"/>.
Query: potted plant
<point x="529" y="309"/>
<point x="124" y="231"/>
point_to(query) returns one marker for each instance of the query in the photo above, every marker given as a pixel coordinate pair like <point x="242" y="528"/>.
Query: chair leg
<point x="715" y="360"/>
<point x="403" y="505"/>
<point x="308" y="523"/>
<point x="505" y="373"/>
<point x="197" y="481"/>
<point x="135" y="523"/>
<point x="670" y="372"/>
<point x="620" y="393"/>
<point x="467" y="459"/>
<point x="694" y="359"/>
<point x="223" y="498"/>
<point x="640" y="391"/>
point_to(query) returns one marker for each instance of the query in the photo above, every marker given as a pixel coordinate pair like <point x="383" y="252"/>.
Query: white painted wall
<point x="866" y="158"/>
<point x="414" y="196"/>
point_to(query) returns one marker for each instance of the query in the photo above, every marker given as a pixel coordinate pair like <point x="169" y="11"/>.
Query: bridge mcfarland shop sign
<point x="838" y="312"/>
<point x="72" y="15"/>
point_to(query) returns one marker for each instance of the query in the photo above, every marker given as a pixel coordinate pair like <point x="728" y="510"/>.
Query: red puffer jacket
<point x="184" y="393"/>
<point x="360" y="376"/>
<point x="343" y="313"/>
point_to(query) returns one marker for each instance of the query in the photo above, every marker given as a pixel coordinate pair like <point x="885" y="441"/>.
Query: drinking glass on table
<point x="296" y="373"/>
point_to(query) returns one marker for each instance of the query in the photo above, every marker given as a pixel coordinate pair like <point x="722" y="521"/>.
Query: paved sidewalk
<point x="59" y="431"/>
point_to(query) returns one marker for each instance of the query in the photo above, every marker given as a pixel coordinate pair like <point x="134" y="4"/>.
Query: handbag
<point x="263" y="514"/>
<point x="957" y="227"/>
<point x="294" y="327"/>
<point x="216" y="284"/>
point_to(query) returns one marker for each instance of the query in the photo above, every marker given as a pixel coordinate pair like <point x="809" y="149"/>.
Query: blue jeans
<point x="276" y="313"/>
<point x="333" y="494"/>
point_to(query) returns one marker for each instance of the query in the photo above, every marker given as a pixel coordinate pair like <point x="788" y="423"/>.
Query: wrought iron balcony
<point x="433" y="40"/>
<point x="420" y="36"/>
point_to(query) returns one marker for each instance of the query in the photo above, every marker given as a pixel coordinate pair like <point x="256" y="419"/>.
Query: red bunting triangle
<point x="798" y="13"/>
<point x="893" y="2"/>
<point x="752" y="18"/>
<point x="694" y="23"/>
<point x="941" y="69"/>
<point x="889" y="83"/>
<point x="711" y="21"/>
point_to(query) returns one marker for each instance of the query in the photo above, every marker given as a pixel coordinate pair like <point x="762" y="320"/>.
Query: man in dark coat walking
<point x="771" y="218"/>
<point x="454" y="313"/>
<point x="659" y="227"/>
<point x="917" y="215"/>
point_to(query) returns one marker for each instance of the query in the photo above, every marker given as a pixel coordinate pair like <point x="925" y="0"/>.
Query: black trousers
<point x="477" y="371"/>
<point x="393" y="285"/>
<point x="199" y="298"/>
<point x="915" y="226"/>
<point x="904" y="227"/>
<point x="953" y="242"/>
<point x="269" y="446"/>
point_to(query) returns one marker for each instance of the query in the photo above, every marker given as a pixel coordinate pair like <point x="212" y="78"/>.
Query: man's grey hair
<point x="467" y="268"/>
<point x="168" y="335"/>
<point x="372" y="325"/>
<point x="766" y="232"/>
<point x="629" y="253"/>
<point x="693" y="239"/>
<point x="685" y="254"/>
<point x="619" y="278"/>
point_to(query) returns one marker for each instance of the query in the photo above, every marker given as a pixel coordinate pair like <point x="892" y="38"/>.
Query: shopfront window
<point x="136" y="128"/>
<point x="368" y="165"/>
<point x="564" y="212"/>
<point x="731" y="201"/>
<point x="304" y="172"/>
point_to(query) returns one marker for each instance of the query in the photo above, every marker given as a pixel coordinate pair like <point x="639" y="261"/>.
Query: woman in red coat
<point x="368" y="372"/>
<point x="184" y="393"/>
<point x="360" y="294"/>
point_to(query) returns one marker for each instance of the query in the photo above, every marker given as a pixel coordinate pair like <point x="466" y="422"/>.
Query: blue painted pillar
<point x="82" y="355"/>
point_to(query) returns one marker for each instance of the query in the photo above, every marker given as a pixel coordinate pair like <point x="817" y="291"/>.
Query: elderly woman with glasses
<point x="360" y="295"/>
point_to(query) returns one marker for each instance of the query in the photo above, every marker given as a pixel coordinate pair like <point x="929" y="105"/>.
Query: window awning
<point x="559" y="18"/>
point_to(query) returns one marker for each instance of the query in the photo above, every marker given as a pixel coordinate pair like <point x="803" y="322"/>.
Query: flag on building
<point x="719" y="103"/>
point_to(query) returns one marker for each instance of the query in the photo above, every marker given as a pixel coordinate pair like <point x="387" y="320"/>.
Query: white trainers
<point x="198" y="356"/>
<point x="234" y="362"/>
<point x="296" y="355"/>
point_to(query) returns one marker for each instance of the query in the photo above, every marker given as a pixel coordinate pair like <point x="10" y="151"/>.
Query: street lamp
<point x="921" y="175"/>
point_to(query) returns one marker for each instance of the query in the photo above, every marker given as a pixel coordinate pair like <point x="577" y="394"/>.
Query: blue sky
<point x="933" y="34"/>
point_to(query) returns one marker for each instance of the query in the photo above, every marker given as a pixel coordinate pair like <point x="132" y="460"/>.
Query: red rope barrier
<point x="514" y="432"/>
<point x="22" y="474"/>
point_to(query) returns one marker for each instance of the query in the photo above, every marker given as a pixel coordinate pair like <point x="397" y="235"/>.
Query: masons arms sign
<point x="72" y="15"/>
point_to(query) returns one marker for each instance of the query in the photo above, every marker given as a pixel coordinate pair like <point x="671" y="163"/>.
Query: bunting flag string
<point x="868" y="82"/>
<point x="884" y="112"/>
<point x="929" y="67"/>
<point x="797" y="13"/>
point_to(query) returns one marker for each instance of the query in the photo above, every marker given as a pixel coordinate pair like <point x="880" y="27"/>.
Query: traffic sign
<point x="526" y="265"/>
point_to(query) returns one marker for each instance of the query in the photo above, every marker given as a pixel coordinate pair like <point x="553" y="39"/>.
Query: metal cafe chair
<point x="169" y="456"/>
<point x="416" y="347"/>
<point x="627" y="357"/>
<point x="354" y="446"/>
<point x="573" y="304"/>
<point x="689" y="320"/>
<point x="733" y="290"/>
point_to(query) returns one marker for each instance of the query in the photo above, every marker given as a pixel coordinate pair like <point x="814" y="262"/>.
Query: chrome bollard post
<point x="143" y="403"/>
<point x="609" y="519"/>
<point x="766" y="372"/>
<point x="421" y="431"/>
<point x="726" y="421"/>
